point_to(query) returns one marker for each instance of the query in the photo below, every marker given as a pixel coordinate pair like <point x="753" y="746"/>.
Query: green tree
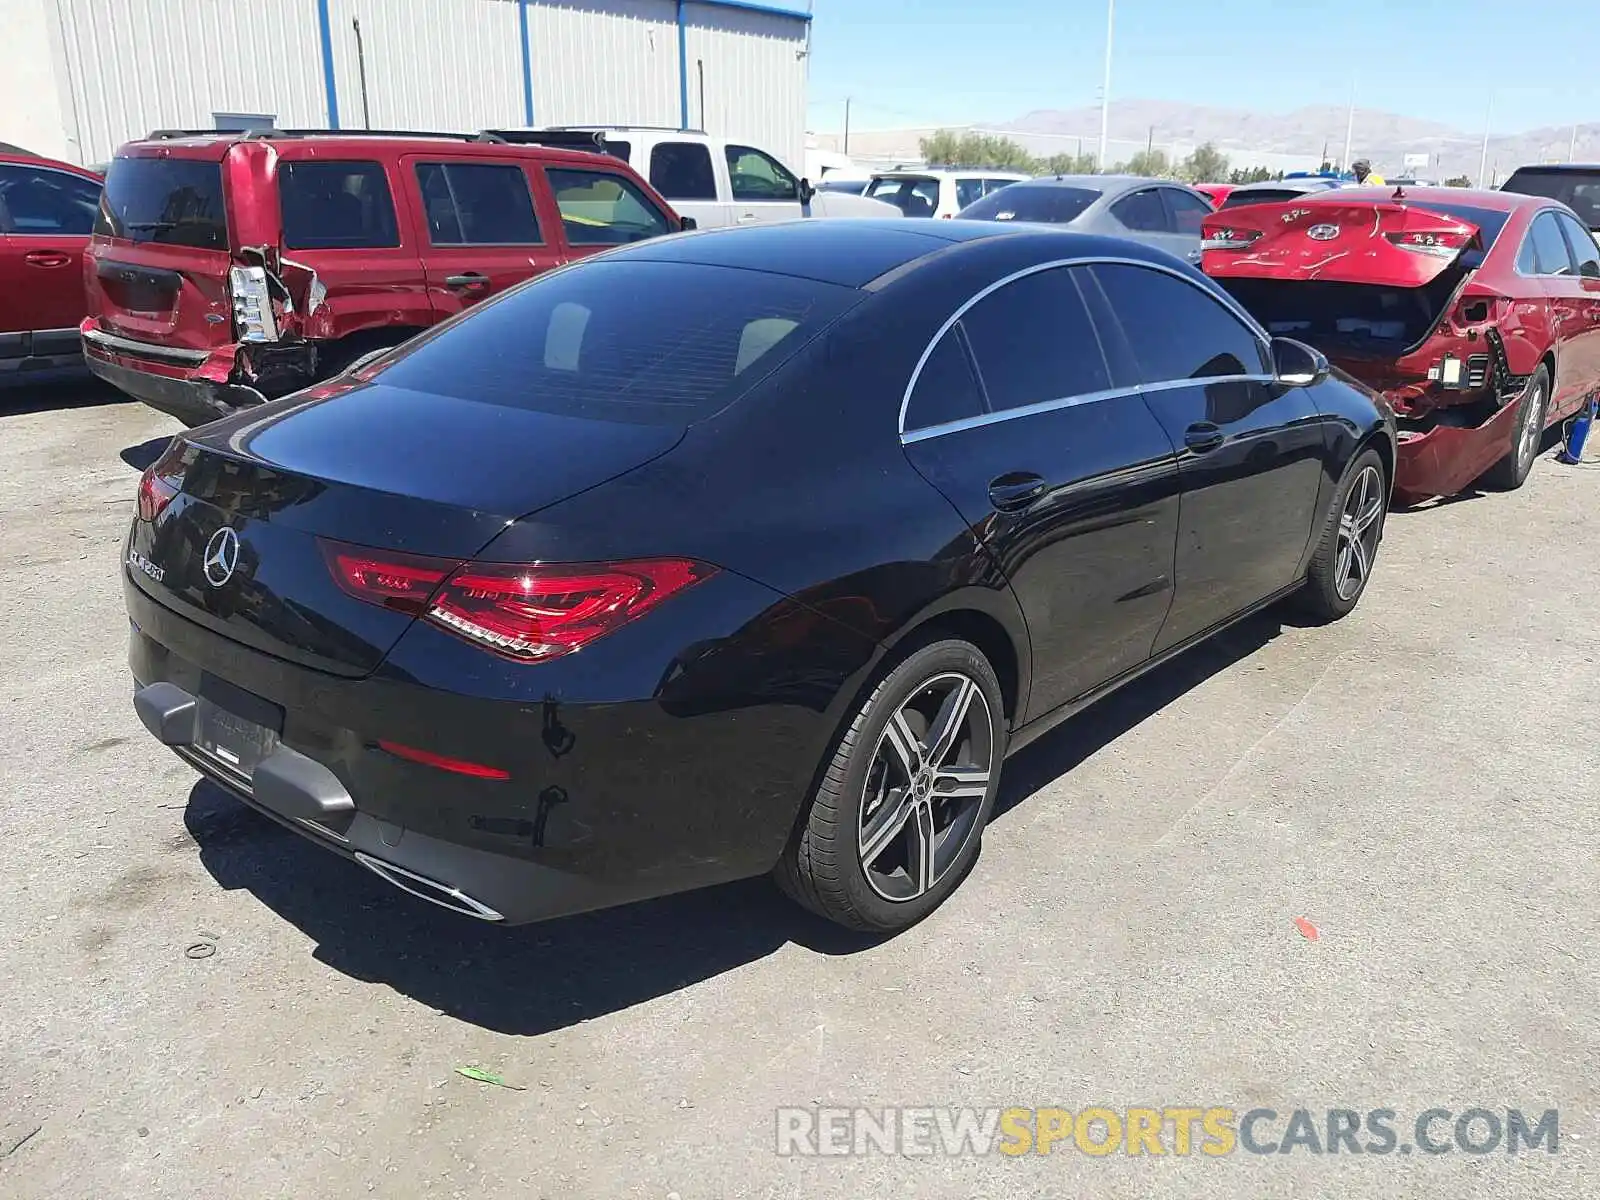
<point x="1068" y="164"/>
<point x="1206" y="164"/>
<point x="1153" y="164"/>
<point x="1458" y="181"/>
<point x="952" y="148"/>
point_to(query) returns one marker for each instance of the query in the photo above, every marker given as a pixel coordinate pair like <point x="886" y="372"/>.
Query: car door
<point x="480" y="233"/>
<point x="968" y="188"/>
<point x="1145" y="218"/>
<point x="1250" y="450"/>
<point x="1583" y="350"/>
<point x="46" y="216"/>
<point x="682" y="171"/>
<point x="1070" y="483"/>
<point x="599" y="209"/>
<point x="1545" y="252"/>
<point x="761" y="187"/>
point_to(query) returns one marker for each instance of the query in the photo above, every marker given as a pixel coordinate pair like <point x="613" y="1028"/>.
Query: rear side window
<point x="1033" y="342"/>
<point x="1175" y="330"/>
<point x="625" y="340"/>
<point x="682" y="171"/>
<point x="1142" y="212"/>
<point x="1578" y="190"/>
<point x="37" y="200"/>
<point x="1050" y="203"/>
<point x="1550" y="253"/>
<point x="174" y="201"/>
<point x="477" y="204"/>
<point x="602" y="209"/>
<point x="336" y="205"/>
<point x="967" y="191"/>
<point x="946" y="389"/>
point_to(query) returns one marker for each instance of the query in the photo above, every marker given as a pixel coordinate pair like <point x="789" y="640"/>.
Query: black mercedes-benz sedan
<point x="743" y="551"/>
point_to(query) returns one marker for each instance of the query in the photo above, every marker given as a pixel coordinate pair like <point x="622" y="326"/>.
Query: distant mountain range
<point x="1383" y="138"/>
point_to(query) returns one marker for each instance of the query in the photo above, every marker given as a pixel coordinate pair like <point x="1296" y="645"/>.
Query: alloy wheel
<point x="1358" y="533"/>
<point x="1532" y="429"/>
<point x="925" y="787"/>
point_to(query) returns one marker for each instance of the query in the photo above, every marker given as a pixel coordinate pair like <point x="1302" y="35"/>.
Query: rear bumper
<point x="658" y="787"/>
<point x="1445" y="459"/>
<point x="167" y="384"/>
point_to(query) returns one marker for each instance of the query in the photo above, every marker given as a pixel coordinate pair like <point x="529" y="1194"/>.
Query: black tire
<point x="1331" y="590"/>
<point x="1512" y="471"/>
<point x="823" y="865"/>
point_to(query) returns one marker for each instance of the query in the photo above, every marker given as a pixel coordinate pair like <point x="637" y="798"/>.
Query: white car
<point x="937" y="192"/>
<point x="712" y="180"/>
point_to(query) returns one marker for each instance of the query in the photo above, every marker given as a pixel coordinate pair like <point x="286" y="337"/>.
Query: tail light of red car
<point x="1437" y="245"/>
<point x="1221" y="236"/>
<point x="155" y="493"/>
<point x="529" y="612"/>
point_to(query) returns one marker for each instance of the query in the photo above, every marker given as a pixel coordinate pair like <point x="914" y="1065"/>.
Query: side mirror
<point x="687" y="223"/>
<point x="806" y="191"/>
<point x="1296" y="364"/>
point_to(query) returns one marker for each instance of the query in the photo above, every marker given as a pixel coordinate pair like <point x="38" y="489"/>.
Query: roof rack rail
<point x="163" y="135"/>
<point x="592" y="140"/>
<point x="615" y="128"/>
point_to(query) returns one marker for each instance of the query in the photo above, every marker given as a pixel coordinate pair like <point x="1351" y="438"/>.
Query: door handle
<point x="1015" y="489"/>
<point x="746" y="217"/>
<point x="1203" y="436"/>
<point x="471" y="279"/>
<point x="47" y="258"/>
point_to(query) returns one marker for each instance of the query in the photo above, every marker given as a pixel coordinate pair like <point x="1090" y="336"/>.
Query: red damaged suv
<point x="1475" y="313"/>
<point x="226" y="269"/>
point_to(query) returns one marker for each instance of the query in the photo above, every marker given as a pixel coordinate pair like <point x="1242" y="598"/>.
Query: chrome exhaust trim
<point x="427" y="889"/>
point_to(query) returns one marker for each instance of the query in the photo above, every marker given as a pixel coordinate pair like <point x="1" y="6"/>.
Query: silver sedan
<point x="1158" y="212"/>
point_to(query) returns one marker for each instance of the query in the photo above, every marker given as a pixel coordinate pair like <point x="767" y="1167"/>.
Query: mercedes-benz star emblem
<point x="222" y="556"/>
<point x="1323" y="233"/>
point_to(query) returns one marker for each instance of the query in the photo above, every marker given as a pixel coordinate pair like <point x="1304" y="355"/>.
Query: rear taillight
<point x="1439" y="245"/>
<point x="1227" y="237"/>
<point x="528" y="612"/>
<point x="252" y="305"/>
<point x="155" y="493"/>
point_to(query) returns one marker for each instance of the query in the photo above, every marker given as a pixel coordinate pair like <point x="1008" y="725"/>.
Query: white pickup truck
<point x="713" y="180"/>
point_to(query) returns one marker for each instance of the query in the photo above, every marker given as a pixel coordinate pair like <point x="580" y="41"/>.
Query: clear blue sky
<point x="911" y="62"/>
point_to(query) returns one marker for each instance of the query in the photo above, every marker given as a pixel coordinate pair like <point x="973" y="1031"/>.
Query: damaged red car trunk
<point x="1476" y="314"/>
<point x="226" y="269"/>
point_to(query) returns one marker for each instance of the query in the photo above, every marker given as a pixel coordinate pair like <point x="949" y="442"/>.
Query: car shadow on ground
<point x="538" y="978"/>
<point x="47" y="391"/>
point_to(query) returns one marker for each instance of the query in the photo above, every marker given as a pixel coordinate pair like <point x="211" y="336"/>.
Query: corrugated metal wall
<point x="755" y="78"/>
<point x="610" y="63"/>
<point x="135" y="65"/>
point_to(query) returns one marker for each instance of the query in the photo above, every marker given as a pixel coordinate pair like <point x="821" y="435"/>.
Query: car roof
<point x="945" y="172"/>
<point x="36" y="160"/>
<point x="214" y="145"/>
<point x="1559" y="168"/>
<point x="855" y="253"/>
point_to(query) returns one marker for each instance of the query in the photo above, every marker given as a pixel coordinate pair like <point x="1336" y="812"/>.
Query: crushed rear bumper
<point x="192" y="401"/>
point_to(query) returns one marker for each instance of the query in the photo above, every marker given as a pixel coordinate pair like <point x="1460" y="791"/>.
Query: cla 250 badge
<point x="140" y="562"/>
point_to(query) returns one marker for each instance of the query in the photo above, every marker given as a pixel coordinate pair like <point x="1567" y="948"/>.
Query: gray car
<point x="1157" y="212"/>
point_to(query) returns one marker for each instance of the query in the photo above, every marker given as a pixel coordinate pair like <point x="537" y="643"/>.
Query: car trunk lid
<point x="357" y="464"/>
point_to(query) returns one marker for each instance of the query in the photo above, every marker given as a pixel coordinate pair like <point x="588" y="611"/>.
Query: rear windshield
<point x="1022" y="202"/>
<point x="1578" y="190"/>
<point x="175" y="201"/>
<point x="1488" y="221"/>
<point x="635" y="341"/>
<point x="914" y="197"/>
<point x="1264" y="196"/>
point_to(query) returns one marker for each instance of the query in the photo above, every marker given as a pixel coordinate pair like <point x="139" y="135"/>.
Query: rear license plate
<point x="230" y="740"/>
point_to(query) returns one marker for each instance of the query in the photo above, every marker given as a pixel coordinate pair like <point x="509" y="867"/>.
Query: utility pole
<point x="847" y="126"/>
<point x="1483" y="158"/>
<point x="1572" y="146"/>
<point x="1150" y="142"/>
<point x="1105" y="87"/>
<point x="1349" y="128"/>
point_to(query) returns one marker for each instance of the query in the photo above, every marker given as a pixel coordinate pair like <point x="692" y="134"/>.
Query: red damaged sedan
<point x="1475" y="313"/>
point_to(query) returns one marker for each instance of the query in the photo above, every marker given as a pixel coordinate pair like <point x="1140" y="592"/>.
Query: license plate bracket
<point x="233" y="742"/>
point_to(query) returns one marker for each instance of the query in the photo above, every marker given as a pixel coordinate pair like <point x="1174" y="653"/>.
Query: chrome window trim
<point x="1043" y="406"/>
<point x="984" y="293"/>
<point x="1527" y="240"/>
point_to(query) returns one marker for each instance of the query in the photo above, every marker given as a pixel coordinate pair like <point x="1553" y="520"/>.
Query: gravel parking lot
<point x="1417" y="782"/>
